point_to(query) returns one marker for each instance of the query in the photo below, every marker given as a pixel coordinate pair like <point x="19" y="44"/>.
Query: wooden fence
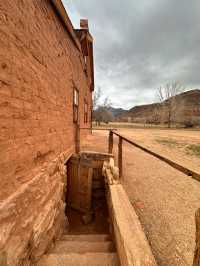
<point x="175" y="165"/>
<point x="196" y="261"/>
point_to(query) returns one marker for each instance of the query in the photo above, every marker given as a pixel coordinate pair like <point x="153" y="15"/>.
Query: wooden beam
<point x="120" y="163"/>
<point x="196" y="261"/>
<point x="110" y="142"/>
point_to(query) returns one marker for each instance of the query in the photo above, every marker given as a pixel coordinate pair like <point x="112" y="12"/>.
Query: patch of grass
<point x="193" y="149"/>
<point x="169" y="142"/>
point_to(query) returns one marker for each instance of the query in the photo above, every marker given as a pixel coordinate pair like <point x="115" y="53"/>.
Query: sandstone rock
<point x="49" y="224"/>
<point x="115" y="172"/>
<point x="5" y="231"/>
<point x="39" y="211"/>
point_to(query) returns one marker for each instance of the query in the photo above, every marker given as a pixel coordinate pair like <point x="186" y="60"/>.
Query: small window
<point x="75" y="105"/>
<point x="85" y="111"/>
<point x="76" y="97"/>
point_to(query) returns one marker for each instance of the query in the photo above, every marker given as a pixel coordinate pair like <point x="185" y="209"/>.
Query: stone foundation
<point x="34" y="216"/>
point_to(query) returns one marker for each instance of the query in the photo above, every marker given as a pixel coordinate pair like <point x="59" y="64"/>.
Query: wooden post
<point x="77" y="140"/>
<point x="196" y="261"/>
<point x="120" y="157"/>
<point x="110" y="142"/>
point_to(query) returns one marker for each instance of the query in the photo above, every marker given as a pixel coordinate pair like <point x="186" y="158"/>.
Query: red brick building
<point x="46" y="84"/>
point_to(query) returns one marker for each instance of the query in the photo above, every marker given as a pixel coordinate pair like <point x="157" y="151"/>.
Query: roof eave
<point x="58" y="5"/>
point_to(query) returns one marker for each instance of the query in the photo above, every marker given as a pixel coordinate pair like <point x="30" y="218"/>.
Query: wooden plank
<point x="85" y="186"/>
<point x="96" y="156"/>
<point x="79" y="184"/>
<point x="196" y="261"/>
<point x="110" y="142"/>
<point x="73" y="182"/>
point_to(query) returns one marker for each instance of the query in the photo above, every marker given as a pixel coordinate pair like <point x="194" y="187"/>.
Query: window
<point x="85" y="111"/>
<point x="75" y="105"/>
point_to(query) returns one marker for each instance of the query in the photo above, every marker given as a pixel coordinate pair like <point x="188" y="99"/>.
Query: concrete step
<point x="86" y="259"/>
<point x="65" y="247"/>
<point x="88" y="237"/>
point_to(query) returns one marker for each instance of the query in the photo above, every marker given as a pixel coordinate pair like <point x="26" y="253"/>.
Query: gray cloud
<point x="140" y="45"/>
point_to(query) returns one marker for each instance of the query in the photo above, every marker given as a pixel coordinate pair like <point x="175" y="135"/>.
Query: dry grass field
<point x="164" y="198"/>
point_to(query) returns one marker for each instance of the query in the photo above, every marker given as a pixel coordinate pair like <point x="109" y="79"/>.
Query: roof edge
<point x="59" y="7"/>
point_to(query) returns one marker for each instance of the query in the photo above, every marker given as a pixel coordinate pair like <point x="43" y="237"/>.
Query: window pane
<point x="75" y="97"/>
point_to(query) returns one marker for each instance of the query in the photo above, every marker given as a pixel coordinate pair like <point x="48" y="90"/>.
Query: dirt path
<point x="164" y="198"/>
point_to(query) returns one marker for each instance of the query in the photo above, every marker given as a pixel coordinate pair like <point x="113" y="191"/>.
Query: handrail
<point x="175" y="165"/>
<point x="107" y="129"/>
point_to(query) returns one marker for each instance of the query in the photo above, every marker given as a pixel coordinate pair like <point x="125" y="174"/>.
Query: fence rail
<point x="175" y="165"/>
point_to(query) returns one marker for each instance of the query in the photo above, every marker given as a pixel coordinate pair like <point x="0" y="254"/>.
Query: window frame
<point x="85" y="111"/>
<point x="75" y="105"/>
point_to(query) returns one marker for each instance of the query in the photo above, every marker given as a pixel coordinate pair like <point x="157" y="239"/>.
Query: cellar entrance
<point x="88" y="239"/>
<point x="87" y="210"/>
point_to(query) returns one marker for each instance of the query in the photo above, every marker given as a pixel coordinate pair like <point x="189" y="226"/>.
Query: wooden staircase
<point x="82" y="250"/>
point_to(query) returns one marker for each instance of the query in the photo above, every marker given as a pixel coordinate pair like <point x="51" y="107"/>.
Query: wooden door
<point x="79" y="186"/>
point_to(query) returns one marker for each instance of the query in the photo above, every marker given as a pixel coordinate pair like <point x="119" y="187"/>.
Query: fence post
<point x="196" y="261"/>
<point x="110" y="142"/>
<point x="120" y="164"/>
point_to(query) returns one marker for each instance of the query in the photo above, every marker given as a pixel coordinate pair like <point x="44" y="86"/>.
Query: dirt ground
<point x="164" y="198"/>
<point x="174" y="144"/>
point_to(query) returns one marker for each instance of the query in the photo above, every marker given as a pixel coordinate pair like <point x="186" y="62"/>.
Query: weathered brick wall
<point x="39" y="66"/>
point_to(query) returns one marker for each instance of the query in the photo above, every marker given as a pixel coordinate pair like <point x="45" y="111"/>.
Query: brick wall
<point x="39" y="67"/>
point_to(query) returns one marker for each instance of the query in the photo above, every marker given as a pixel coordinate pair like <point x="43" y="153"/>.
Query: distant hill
<point x="187" y="110"/>
<point x="116" y="111"/>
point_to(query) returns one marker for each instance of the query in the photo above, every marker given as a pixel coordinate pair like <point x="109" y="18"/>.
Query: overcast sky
<point x="140" y="45"/>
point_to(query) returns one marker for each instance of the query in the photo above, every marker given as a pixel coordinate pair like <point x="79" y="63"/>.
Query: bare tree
<point x="167" y="98"/>
<point x="101" y="107"/>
